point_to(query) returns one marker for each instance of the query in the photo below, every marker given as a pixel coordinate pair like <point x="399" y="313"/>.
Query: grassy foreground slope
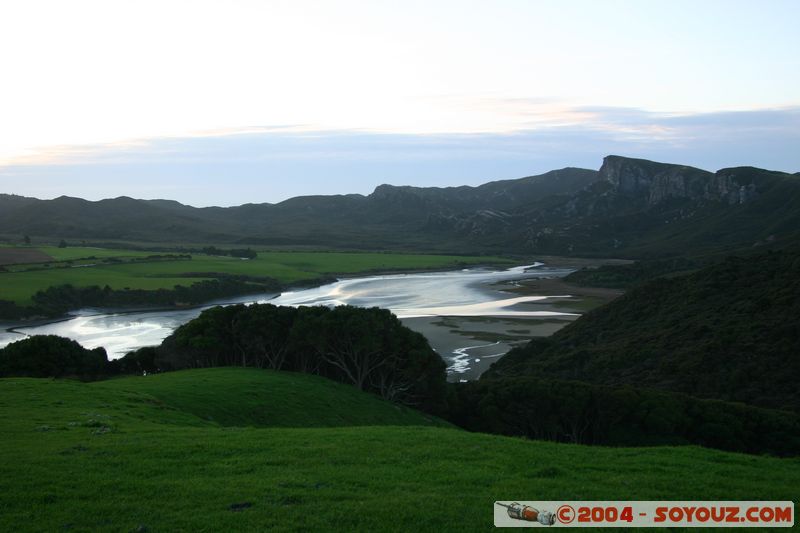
<point x="262" y="398"/>
<point x="141" y="453"/>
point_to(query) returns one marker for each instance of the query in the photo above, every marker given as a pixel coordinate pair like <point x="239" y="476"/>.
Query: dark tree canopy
<point x="52" y="356"/>
<point x="572" y="411"/>
<point x="367" y="348"/>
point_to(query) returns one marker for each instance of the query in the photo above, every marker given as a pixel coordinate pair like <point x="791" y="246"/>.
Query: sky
<point x="228" y="102"/>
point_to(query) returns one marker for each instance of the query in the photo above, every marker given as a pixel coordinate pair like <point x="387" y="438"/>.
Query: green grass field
<point x="286" y="267"/>
<point x="77" y="252"/>
<point x="244" y="450"/>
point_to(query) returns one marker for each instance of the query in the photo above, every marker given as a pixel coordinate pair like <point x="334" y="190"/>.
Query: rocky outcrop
<point x="729" y="185"/>
<point x="657" y="182"/>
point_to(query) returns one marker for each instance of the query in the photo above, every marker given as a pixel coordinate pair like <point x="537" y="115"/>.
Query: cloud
<point x="273" y="163"/>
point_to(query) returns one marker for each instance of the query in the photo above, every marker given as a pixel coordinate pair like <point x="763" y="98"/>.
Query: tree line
<point x="244" y="253"/>
<point x="584" y="413"/>
<point x="57" y="300"/>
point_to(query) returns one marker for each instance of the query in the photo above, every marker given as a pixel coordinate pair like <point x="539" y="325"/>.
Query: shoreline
<point x="474" y="340"/>
<point x="11" y="325"/>
<point x="489" y="335"/>
<point x="324" y="279"/>
<point x="556" y="287"/>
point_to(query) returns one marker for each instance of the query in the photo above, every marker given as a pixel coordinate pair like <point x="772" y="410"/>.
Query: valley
<point x="461" y="313"/>
<point x="588" y="325"/>
<point x="360" y="266"/>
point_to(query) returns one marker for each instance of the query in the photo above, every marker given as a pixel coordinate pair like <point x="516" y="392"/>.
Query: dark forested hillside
<point x="729" y="331"/>
<point x="631" y="208"/>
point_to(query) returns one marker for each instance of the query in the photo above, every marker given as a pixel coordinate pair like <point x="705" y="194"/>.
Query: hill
<point x="728" y="331"/>
<point x="226" y="396"/>
<point x="140" y="454"/>
<point x="391" y="217"/>
<point x="639" y="208"/>
<point x="630" y="207"/>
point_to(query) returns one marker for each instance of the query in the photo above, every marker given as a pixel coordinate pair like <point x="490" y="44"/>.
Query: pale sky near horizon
<point x="221" y="103"/>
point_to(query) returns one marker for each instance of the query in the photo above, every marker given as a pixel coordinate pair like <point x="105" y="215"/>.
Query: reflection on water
<point x="466" y="293"/>
<point x="118" y="333"/>
<point x="460" y="362"/>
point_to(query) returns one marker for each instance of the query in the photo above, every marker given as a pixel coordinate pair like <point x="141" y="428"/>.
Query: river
<point x="466" y="316"/>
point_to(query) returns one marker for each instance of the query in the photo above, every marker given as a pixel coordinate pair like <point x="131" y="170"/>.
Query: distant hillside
<point x="631" y="207"/>
<point x="729" y="331"/>
<point x="640" y="208"/>
<point x="389" y="217"/>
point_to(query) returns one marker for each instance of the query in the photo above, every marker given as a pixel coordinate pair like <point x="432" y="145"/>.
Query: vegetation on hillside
<point x="630" y="274"/>
<point x="578" y="412"/>
<point x="667" y="362"/>
<point x="728" y="331"/>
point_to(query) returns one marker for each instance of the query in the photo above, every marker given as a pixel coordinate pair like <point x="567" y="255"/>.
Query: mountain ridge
<point x="629" y="207"/>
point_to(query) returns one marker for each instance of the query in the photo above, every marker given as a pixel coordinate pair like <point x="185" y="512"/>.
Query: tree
<point x="139" y="361"/>
<point x="353" y="344"/>
<point x="265" y="332"/>
<point x="212" y="339"/>
<point x="62" y="244"/>
<point x="26" y="239"/>
<point x="52" y="356"/>
<point x="367" y="348"/>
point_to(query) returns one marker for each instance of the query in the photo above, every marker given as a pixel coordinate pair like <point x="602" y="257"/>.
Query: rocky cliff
<point x="657" y="182"/>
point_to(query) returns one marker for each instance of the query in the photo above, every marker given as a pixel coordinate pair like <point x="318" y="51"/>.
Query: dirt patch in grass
<point x="16" y="256"/>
